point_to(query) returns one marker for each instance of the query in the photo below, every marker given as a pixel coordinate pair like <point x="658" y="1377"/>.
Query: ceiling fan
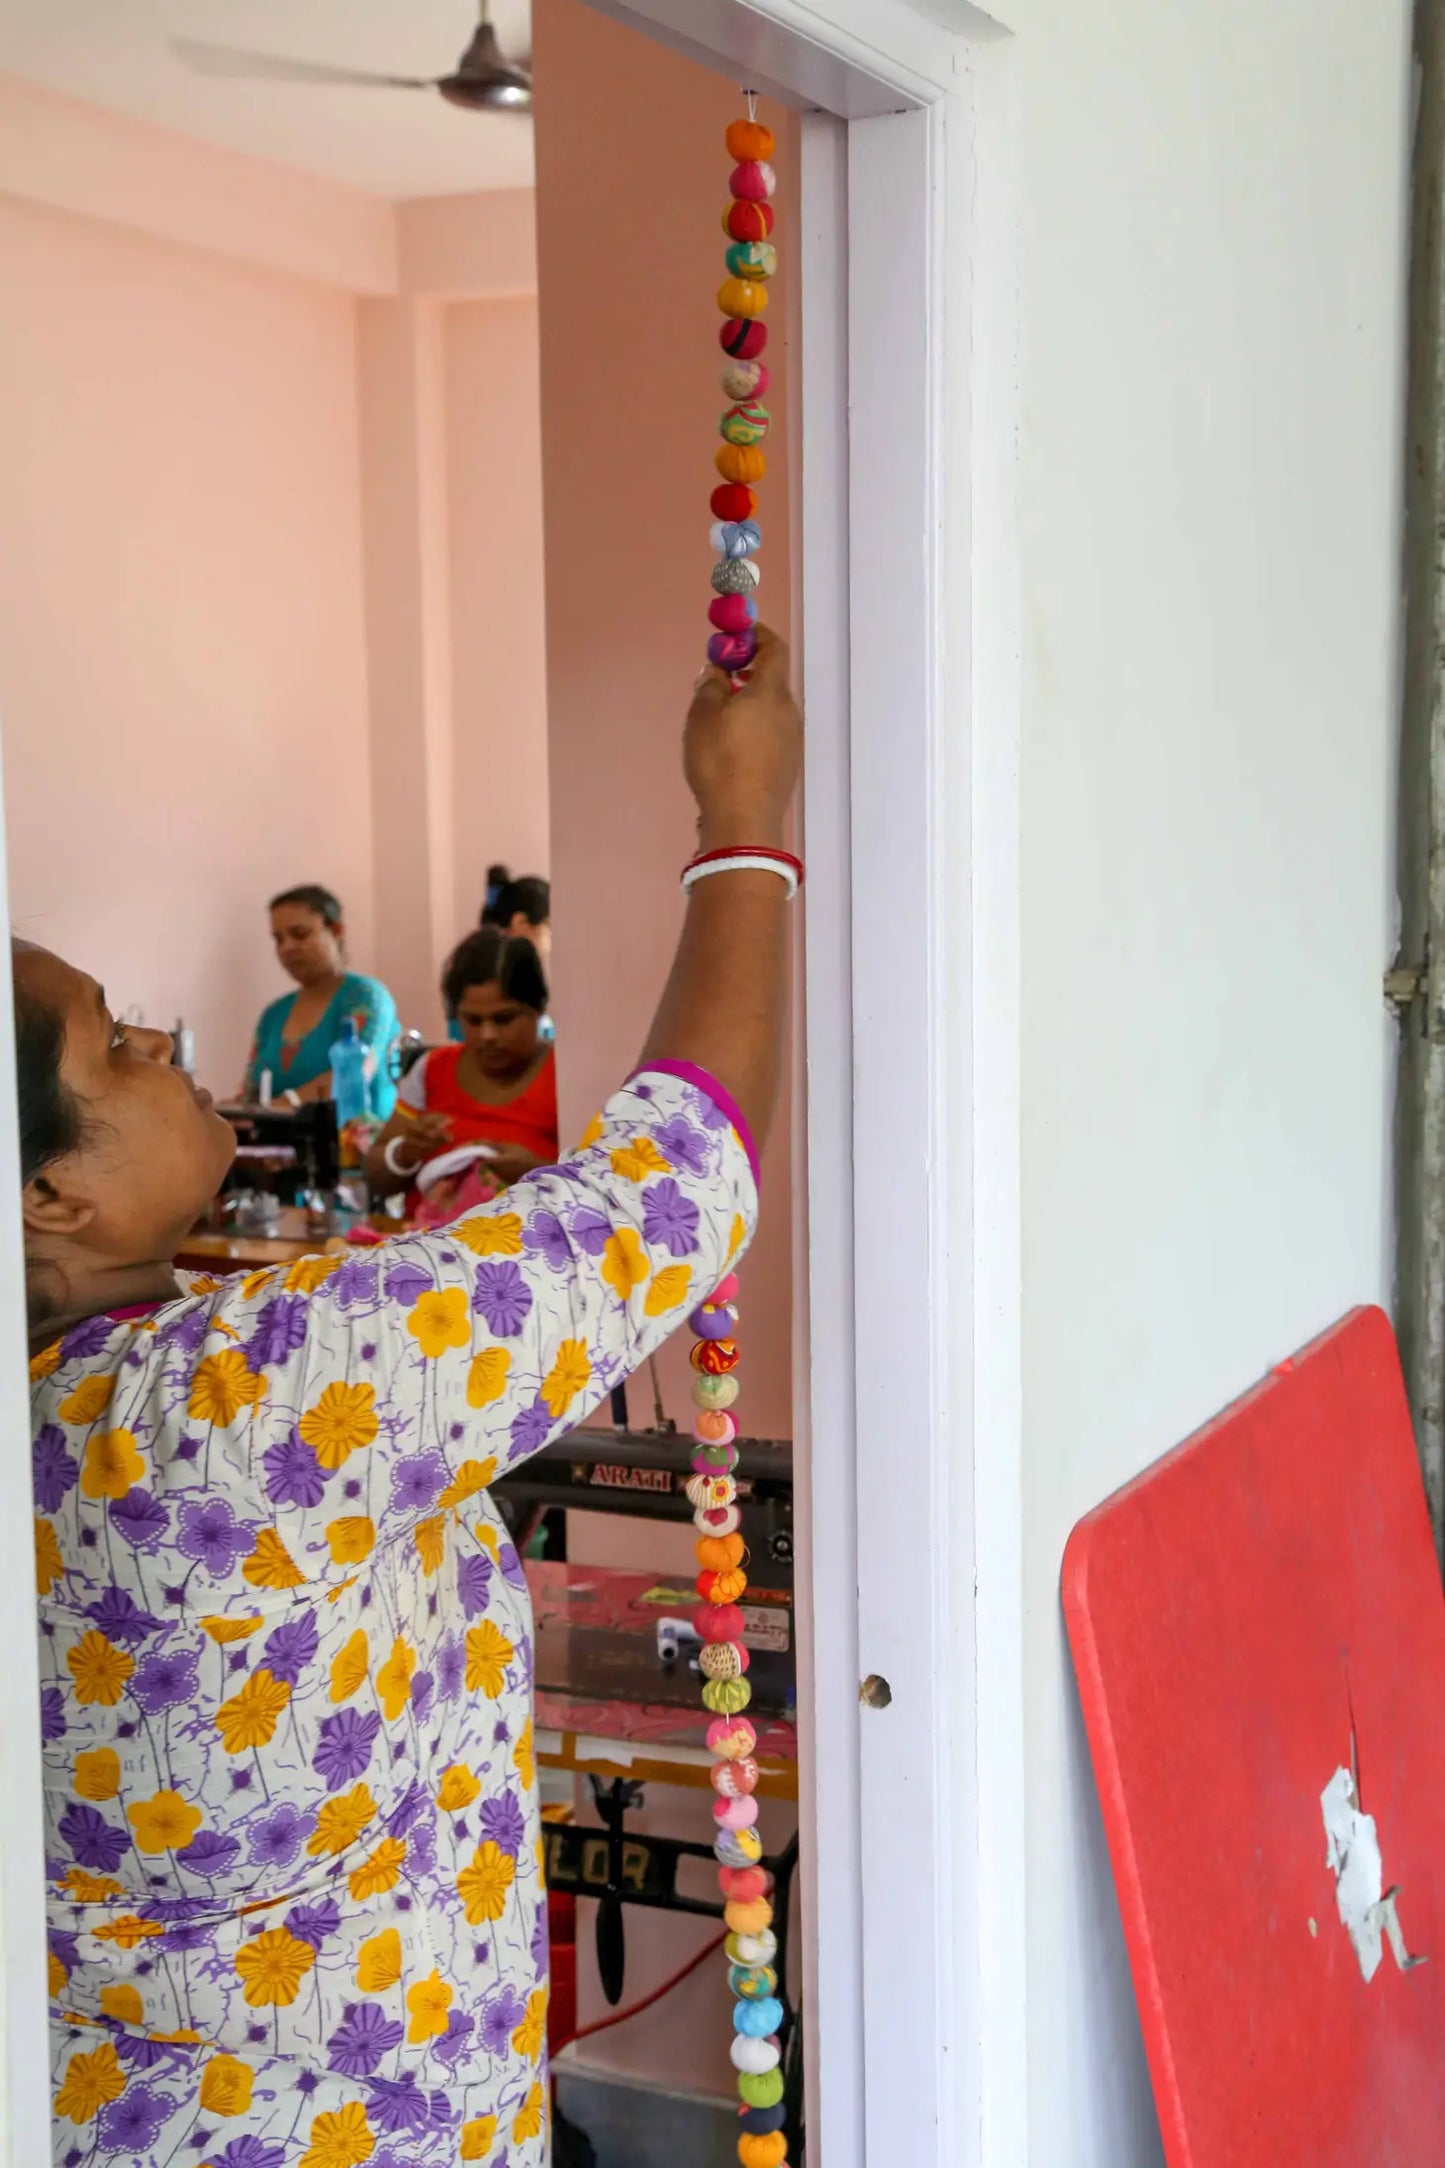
<point x="484" y="80"/>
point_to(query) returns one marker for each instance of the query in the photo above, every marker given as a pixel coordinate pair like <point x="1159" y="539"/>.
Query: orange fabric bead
<point x="748" y="1916"/>
<point x="748" y="139"/>
<point x="714" y="1426"/>
<point x="738" y="463"/>
<point x="724" y="1587"/>
<point x="717" y="1357"/>
<point x="720" y="1554"/>
<point x="742" y="297"/>
<point x="762" y="2149"/>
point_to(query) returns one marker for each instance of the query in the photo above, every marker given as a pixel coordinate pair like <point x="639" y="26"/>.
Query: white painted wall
<point x="1212" y="217"/>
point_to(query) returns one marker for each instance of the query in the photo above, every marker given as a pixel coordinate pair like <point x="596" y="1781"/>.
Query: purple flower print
<point x="539" y="1942"/>
<point x="294" y="1476"/>
<point x="86" y="1338"/>
<point x="500" y="2019"/>
<point x="133" y="2123"/>
<point x="363" y="2037"/>
<point x="669" y="1218"/>
<point x="546" y="1238"/>
<point x="451" y="1668"/>
<point x="502" y="1297"/>
<point x="142" y="2054"/>
<point x="276" y="1841"/>
<point x="209" y="1853"/>
<point x="405" y="1284"/>
<point x="416" y="1481"/>
<point x="164" y="1681"/>
<point x="52" y="1713"/>
<point x="345" y="1746"/>
<point x="423" y="1686"/>
<point x="52" y="1469"/>
<point x="453" y="2043"/>
<point x="94" y="1842"/>
<point x="708" y="1112"/>
<point x="65" y="1947"/>
<point x="313" y="1923"/>
<point x="503" y="1821"/>
<point x="140" y="1518"/>
<point x="280" y="1330"/>
<point x="473" y="1574"/>
<point x="411" y="1803"/>
<point x="398" y="2104"/>
<point x="211" y="1535"/>
<point x="120" y="1617"/>
<point x="590" y="1229"/>
<point x="512" y="1568"/>
<point x="291" y="1647"/>
<point x="250" y="2152"/>
<point x="531" y="1429"/>
<point x="421" y="1854"/>
<point x="355" y="1282"/>
<point x="679" y="1142"/>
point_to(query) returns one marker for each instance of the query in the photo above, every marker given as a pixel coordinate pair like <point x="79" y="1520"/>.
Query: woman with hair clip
<point x="292" y="1834"/>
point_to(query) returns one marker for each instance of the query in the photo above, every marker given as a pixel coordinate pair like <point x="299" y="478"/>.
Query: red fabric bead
<point x="734" y="501"/>
<point x="744" y="337"/>
<point x="730" y="613"/>
<point x="748" y="221"/>
<point x="742" y="1883"/>
<point x="718" y="1621"/>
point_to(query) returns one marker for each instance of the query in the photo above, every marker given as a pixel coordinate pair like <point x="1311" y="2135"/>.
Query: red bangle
<point x="746" y="857"/>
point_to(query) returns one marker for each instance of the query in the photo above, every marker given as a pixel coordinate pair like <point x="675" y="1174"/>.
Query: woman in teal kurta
<point x="296" y="1032"/>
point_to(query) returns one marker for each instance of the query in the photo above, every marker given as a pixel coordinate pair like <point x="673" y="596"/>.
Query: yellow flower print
<point x="128" y="1932"/>
<point x="99" y="1669"/>
<point x="90" y="1889"/>
<point x="182" y="2037"/>
<point x="529" y="2035"/>
<point x="379" y="1871"/>
<point x="203" y="1283"/>
<point x="486" y="1535"/>
<point x="222" y="1385"/>
<point x="112" y="1465"/>
<point x="91" y="1397"/>
<point x="488" y="1654"/>
<point x="378" y="1964"/>
<point x="350" y="1666"/>
<point x="340" y="1822"/>
<point x="491" y="1234"/>
<point x="487" y="1379"/>
<point x="458" y="1788"/>
<point x="123" y="2002"/>
<point x="524" y="1755"/>
<point x="97" y="1774"/>
<point x="350" y="1539"/>
<point x="273" y="1965"/>
<point x="223" y="1630"/>
<point x="309" y="1273"/>
<point x="334" y="1595"/>
<point x="430" y="1538"/>
<point x="428" y="2003"/>
<point x="249" y="1719"/>
<point x="90" y="2081"/>
<point x="483" y="1886"/>
<point x="393" y="1681"/>
<point x="226" y="2086"/>
<point x="56" y="1974"/>
<point x="255" y="1281"/>
<point x="340" y="2138"/>
<point x="669" y="1289"/>
<point x="49" y="1565"/>
<point x="341" y="1423"/>
<point x="529" y="2117"/>
<point x="271" y="1565"/>
<point x="477" y="2136"/>
<point x="591" y="1133"/>
<point x="438" y="1320"/>
<point x="738" y="1236"/>
<point x="571" y="1368"/>
<point x="45" y="1362"/>
<point x="474" y="1475"/>
<point x="625" y="1263"/>
<point x="166" y="1823"/>
<point x="637" y="1160"/>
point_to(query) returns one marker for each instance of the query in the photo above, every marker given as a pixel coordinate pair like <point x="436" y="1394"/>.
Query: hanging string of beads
<point x="745" y="1883"/>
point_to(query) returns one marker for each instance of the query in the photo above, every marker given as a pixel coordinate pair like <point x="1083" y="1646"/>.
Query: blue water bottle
<point x="348" y="1074"/>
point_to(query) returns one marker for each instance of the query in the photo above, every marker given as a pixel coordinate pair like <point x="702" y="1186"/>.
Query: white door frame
<point x="908" y="1416"/>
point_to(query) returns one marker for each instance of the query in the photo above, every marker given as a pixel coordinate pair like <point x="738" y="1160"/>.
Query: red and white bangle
<point x="745" y="858"/>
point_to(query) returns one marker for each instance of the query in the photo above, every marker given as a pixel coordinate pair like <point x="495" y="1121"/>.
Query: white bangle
<point x="403" y="1174"/>
<point x="742" y="862"/>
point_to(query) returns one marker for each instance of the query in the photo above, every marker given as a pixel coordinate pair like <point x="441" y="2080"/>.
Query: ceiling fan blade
<point x="227" y="61"/>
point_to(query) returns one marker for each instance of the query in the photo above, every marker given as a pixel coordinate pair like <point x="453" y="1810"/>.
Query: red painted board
<point x="1232" y="1614"/>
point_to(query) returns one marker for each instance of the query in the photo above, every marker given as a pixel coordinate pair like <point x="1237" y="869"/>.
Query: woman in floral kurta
<point x="295" y="1897"/>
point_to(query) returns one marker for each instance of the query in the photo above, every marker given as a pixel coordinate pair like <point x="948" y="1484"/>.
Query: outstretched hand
<point x="742" y="750"/>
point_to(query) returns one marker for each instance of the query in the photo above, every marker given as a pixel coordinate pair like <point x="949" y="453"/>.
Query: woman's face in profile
<point x="539" y="936"/>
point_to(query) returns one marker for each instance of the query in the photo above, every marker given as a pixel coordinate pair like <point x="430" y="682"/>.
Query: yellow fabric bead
<point x="742" y="297"/>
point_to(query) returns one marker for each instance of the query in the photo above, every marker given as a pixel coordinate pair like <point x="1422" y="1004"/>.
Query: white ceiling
<point x="393" y="142"/>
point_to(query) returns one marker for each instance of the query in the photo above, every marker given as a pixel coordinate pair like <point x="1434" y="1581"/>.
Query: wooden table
<point x="235" y="1251"/>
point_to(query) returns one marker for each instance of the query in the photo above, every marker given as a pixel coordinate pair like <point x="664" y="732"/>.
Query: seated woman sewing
<point x="296" y="1032"/>
<point x="495" y="1091"/>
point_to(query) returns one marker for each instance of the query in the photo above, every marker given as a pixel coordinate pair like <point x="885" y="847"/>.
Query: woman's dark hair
<point x="498" y="878"/>
<point x="487" y="955"/>
<point x="51" y="1122"/>
<point x="311" y="896"/>
<point x="530" y="895"/>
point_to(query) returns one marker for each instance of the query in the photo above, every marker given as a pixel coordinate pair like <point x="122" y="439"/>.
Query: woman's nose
<point x="150" y="1045"/>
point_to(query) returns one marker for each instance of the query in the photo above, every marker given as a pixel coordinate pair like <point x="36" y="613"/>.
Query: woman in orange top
<point x="497" y="1088"/>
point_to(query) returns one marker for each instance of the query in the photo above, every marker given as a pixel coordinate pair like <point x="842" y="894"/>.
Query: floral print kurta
<point x="296" y="1908"/>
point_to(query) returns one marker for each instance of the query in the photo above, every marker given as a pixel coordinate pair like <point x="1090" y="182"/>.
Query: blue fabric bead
<point x="736" y="537"/>
<point x="758" y="2019"/>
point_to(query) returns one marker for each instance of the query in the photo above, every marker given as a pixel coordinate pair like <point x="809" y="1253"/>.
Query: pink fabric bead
<point x="718" y="1621"/>
<point x="742" y="1883"/>
<point x="731" y="1737"/>
<point x="726" y="1290"/>
<point x="735" y="1813"/>
<point x="752" y="181"/>
<point x="732" y="613"/>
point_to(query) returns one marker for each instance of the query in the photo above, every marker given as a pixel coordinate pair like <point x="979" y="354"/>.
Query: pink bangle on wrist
<point x="745" y="858"/>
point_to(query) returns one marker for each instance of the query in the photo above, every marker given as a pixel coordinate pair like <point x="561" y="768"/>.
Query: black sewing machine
<point x="291" y="1153"/>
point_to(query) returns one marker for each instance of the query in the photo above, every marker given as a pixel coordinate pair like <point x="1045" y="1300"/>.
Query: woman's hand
<point x="742" y="751"/>
<point x="507" y="1163"/>
<point x="423" y="1138"/>
<point x="417" y="1138"/>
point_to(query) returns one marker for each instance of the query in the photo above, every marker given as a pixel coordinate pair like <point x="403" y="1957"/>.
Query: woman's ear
<point x="56" y="1204"/>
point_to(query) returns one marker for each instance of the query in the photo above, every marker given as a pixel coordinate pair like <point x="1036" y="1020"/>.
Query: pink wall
<point x="182" y="688"/>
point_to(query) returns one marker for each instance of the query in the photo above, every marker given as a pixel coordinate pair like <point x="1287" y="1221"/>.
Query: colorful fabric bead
<point x="735" y="538"/>
<point x="752" y="259"/>
<point x="748" y="221"/>
<point x="759" y="2122"/>
<point x="733" y="501"/>
<point x="735" y="1778"/>
<point x="745" y="379"/>
<point x="730" y="651"/>
<point x="750" y="1918"/>
<point x="768" y="2152"/>
<point x="713" y="1320"/>
<point x="749" y="139"/>
<point x="714" y="1426"/>
<point x="716" y="1357"/>
<point x="718" y="1622"/>
<point x="752" y="181"/>
<point x="711" y="1490"/>
<point x="744" y="338"/>
<point x="746" y="423"/>
<point x="716" y="1520"/>
<point x="741" y="462"/>
<point x="721" y="1587"/>
<point x="742" y="1883"/>
<point x="763" y="2091"/>
<point x="742" y="297"/>
<point x="714" y="1460"/>
<point x="735" y="1813"/>
<point x="723" y="1660"/>
<point x="726" y="1696"/>
<point x="758" y="2018"/>
<point x="749" y="1981"/>
<point x="716" y="1391"/>
<point x="731" y="1741"/>
<point x="735" y="576"/>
